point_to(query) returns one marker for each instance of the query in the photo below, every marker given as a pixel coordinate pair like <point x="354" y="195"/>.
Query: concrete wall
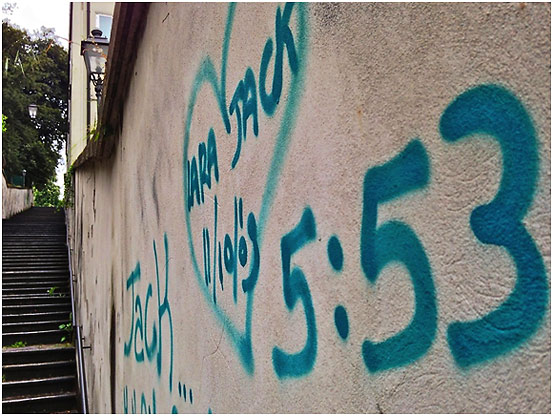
<point x="324" y="208"/>
<point x="15" y="200"/>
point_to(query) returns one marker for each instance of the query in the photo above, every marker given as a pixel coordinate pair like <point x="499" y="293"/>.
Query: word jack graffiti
<point x="239" y="250"/>
<point x="140" y="345"/>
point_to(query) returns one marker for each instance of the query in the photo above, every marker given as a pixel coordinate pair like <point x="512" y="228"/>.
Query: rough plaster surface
<point x="15" y="200"/>
<point x="369" y="79"/>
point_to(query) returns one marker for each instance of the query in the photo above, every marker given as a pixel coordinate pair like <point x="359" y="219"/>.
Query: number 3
<point x="493" y="110"/>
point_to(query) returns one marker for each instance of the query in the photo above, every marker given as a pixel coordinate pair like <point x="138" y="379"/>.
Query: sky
<point x="31" y="15"/>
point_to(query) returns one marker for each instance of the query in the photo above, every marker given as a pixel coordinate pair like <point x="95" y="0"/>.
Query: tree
<point x="48" y="196"/>
<point x="34" y="71"/>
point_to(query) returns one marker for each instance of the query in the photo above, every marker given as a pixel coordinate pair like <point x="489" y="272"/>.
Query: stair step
<point x="12" y="300"/>
<point x="13" y="327"/>
<point x="22" y="259"/>
<point x="42" y="284"/>
<point x="34" y="246"/>
<point x="37" y="291"/>
<point x="36" y="317"/>
<point x="43" y="307"/>
<point x="38" y="386"/>
<point x="48" y="336"/>
<point x="23" y="256"/>
<point x="37" y="353"/>
<point x="29" y="252"/>
<point x="61" y="402"/>
<point x="22" y="291"/>
<point x="34" y="265"/>
<point x="34" y="272"/>
<point x="18" y="372"/>
<point x="33" y="276"/>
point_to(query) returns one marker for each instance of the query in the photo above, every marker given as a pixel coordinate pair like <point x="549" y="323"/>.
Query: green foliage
<point x="4" y="123"/>
<point x="48" y="196"/>
<point x="68" y="188"/>
<point x="34" y="70"/>
<point x="68" y="327"/>
<point x="18" y="344"/>
<point x="52" y="290"/>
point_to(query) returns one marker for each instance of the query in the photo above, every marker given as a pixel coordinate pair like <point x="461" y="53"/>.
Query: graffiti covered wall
<point x="336" y="208"/>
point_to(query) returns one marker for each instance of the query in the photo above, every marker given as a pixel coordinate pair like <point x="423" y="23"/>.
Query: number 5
<point x="396" y="241"/>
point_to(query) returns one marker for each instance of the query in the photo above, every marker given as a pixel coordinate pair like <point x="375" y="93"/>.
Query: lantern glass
<point x="95" y="52"/>
<point x="94" y="56"/>
<point x="32" y="110"/>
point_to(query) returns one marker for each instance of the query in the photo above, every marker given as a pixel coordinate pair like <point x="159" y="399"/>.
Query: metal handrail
<point x="82" y="378"/>
<point x="79" y="347"/>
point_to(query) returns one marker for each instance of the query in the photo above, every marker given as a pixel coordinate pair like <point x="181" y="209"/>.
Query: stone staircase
<point x="38" y="362"/>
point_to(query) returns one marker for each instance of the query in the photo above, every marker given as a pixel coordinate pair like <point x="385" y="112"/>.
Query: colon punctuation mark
<point x="493" y="110"/>
<point x="396" y="241"/>
<point x="295" y="287"/>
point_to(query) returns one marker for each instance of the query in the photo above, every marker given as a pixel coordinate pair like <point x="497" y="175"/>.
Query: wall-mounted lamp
<point x="95" y="52"/>
<point x="32" y="110"/>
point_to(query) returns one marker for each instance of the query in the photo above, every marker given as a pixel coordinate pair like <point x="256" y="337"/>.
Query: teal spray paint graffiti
<point x="493" y="110"/>
<point x="246" y="92"/>
<point x="139" y="332"/>
<point x="341" y="321"/>
<point x="146" y="406"/>
<point x="296" y="288"/>
<point x="380" y="245"/>
<point x="234" y="254"/>
<point x="199" y="173"/>
<point x="244" y="105"/>
<point x="396" y="241"/>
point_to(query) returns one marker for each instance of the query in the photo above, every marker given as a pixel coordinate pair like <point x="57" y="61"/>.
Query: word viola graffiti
<point x="140" y="345"/>
<point x="239" y="250"/>
<point x="233" y="253"/>
<point x="487" y="109"/>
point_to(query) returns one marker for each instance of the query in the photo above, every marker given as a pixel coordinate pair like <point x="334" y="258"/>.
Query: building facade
<point x="83" y="112"/>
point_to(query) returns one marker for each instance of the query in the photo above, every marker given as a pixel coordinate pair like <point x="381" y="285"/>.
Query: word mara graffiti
<point x="236" y="254"/>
